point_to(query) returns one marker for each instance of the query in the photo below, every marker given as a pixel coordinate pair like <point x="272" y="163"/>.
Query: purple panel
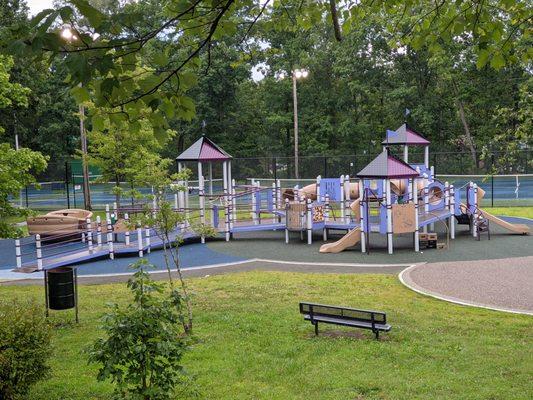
<point x="210" y="153"/>
<point x="332" y="187"/>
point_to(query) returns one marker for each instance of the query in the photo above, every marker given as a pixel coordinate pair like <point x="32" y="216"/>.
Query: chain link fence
<point x="61" y="183"/>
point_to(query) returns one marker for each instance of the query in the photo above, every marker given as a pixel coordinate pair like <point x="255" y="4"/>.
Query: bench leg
<point x="316" y="328"/>
<point x="376" y="332"/>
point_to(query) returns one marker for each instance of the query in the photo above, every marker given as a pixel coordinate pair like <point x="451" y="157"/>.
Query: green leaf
<point x="482" y="58"/>
<point x="80" y="94"/>
<point x="39" y="17"/>
<point x="497" y="61"/>
<point x="98" y="122"/>
<point x="94" y="16"/>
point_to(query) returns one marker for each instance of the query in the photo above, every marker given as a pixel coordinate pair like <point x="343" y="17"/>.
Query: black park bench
<point x="374" y="320"/>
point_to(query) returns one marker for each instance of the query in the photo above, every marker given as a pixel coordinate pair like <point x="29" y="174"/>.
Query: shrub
<point x="144" y="342"/>
<point x="24" y="348"/>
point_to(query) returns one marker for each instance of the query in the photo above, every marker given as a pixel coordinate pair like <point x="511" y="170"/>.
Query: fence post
<point x="26" y="191"/>
<point x="326" y="167"/>
<point x="66" y="184"/>
<point x="275" y="168"/>
<point x="492" y="190"/>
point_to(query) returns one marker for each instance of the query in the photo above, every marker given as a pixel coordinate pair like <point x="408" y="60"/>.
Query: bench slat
<point x="358" y="324"/>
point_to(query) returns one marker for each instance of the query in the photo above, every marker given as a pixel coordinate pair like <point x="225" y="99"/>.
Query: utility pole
<point x="84" y="163"/>
<point x="295" y="107"/>
<point x="296" y="74"/>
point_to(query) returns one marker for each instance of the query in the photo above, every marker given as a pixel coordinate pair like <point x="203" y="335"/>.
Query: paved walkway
<point x="503" y="284"/>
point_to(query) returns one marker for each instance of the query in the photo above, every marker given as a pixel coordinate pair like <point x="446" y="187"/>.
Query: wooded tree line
<point x="358" y="86"/>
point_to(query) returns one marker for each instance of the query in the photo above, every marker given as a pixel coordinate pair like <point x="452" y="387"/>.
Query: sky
<point x="39" y="5"/>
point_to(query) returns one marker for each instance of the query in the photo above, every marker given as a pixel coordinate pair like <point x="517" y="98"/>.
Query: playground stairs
<point x="463" y="219"/>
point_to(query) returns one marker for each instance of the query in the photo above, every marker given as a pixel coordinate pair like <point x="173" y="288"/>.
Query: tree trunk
<point x="466" y="127"/>
<point x="335" y="19"/>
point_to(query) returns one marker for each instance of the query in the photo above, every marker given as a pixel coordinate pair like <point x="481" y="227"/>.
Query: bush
<point x="24" y="348"/>
<point x="144" y="342"/>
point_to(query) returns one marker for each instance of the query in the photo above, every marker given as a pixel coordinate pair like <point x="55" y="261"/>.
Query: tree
<point x="143" y="348"/>
<point x="107" y="47"/>
<point x="17" y="166"/>
<point x="122" y="154"/>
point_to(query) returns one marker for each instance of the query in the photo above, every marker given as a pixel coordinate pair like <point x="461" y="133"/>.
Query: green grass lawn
<point x="253" y="344"/>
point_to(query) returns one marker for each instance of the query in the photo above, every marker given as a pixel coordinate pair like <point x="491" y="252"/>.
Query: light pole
<point x="68" y="35"/>
<point x="296" y="74"/>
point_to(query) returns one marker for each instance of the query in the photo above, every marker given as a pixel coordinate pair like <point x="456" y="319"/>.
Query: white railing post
<point x="452" y="209"/>
<point x="89" y="234"/>
<point x="147" y="233"/>
<point x="39" y="252"/>
<point x="201" y="195"/>
<point x="18" y="253"/>
<point x="476" y="214"/>
<point x="127" y="234"/>
<point x="342" y="193"/>
<point x="426" y="199"/>
<point x="415" y="200"/>
<point x="107" y="214"/>
<point x="389" y="214"/>
<point x="347" y="198"/>
<point x="318" y="179"/>
<point x="278" y="194"/>
<point x="98" y="231"/>
<point x="362" y="215"/>
<point x="110" y="240"/>
<point x="286" y="220"/>
<point x="274" y="205"/>
<point x="140" y="241"/>
<point x="309" y="222"/>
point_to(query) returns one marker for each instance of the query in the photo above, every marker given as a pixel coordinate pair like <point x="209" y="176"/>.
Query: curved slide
<point x="516" y="228"/>
<point x="523" y="229"/>
<point x="350" y="239"/>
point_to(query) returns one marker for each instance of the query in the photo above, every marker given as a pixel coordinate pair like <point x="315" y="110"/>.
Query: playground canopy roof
<point x="387" y="166"/>
<point x="204" y="149"/>
<point x="405" y="135"/>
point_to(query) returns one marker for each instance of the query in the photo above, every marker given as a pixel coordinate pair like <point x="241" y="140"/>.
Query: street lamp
<point x="69" y="35"/>
<point x="296" y="74"/>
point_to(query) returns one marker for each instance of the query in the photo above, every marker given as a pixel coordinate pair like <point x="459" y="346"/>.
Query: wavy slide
<point x="350" y="239"/>
<point x="523" y="229"/>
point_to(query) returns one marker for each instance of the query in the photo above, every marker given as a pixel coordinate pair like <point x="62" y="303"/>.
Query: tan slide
<point x="350" y="239"/>
<point x="517" y="228"/>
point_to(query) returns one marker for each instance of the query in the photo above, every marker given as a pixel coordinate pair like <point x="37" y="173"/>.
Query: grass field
<point x="253" y="344"/>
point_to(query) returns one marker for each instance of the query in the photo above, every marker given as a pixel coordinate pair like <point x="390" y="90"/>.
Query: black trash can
<point x="61" y="289"/>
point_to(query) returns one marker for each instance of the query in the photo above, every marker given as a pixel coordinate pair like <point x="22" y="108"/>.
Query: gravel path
<point x="503" y="284"/>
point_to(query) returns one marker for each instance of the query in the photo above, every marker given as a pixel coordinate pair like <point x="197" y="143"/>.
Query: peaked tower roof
<point x="405" y="135"/>
<point x="204" y="149"/>
<point x="386" y="165"/>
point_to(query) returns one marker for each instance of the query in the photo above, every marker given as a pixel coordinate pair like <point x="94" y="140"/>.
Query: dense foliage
<point x="16" y="166"/>
<point x="143" y="347"/>
<point x="462" y="69"/>
<point x="24" y="348"/>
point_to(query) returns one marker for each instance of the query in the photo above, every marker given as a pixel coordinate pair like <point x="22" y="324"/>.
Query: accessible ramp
<point x="350" y="239"/>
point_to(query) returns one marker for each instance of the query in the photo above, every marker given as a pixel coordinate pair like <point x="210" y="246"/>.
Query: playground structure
<point x="390" y="197"/>
<point x="69" y="221"/>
